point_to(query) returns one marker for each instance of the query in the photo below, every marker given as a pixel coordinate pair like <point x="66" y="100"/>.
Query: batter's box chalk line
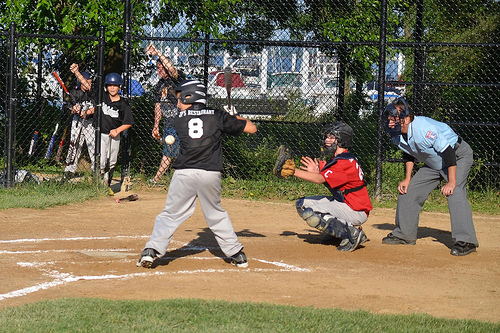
<point x="66" y="278"/>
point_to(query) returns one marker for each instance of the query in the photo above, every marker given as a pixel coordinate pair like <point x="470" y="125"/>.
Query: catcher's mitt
<point x="285" y="165"/>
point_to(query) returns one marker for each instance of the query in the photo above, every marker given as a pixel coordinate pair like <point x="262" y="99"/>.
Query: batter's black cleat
<point x="239" y="260"/>
<point x="148" y="255"/>
<point x="352" y="241"/>
<point x="462" y="248"/>
<point x="393" y="240"/>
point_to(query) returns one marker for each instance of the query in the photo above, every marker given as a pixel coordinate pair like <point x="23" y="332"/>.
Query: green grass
<point x="271" y="189"/>
<point x="187" y="315"/>
<point x="49" y="194"/>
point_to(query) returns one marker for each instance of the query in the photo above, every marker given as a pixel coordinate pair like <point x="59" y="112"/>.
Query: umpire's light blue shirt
<point x="427" y="140"/>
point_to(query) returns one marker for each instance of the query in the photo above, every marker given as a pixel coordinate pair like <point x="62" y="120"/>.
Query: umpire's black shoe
<point x="462" y="248"/>
<point x="393" y="240"/>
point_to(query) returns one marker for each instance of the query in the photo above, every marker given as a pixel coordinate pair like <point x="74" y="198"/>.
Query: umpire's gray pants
<point x="421" y="185"/>
<point x="185" y="187"/>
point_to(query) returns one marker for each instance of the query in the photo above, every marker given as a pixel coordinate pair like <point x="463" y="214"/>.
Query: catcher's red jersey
<point x="345" y="173"/>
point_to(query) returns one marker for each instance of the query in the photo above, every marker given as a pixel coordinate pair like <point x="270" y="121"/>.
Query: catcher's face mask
<point x="328" y="143"/>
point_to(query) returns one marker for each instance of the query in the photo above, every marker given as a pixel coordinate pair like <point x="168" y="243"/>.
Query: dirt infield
<point x="90" y="250"/>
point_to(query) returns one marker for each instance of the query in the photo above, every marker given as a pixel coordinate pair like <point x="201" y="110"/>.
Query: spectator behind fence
<point x="166" y="107"/>
<point x="81" y="104"/>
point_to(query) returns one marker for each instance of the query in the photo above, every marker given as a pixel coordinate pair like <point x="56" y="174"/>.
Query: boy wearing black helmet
<point x="341" y="214"/>
<point x="116" y="117"/>
<point x="197" y="174"/>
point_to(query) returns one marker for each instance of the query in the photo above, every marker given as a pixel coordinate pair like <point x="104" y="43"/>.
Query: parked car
<point x="247" y="66"/>
<point x="284" y="84"/>
<point x="239" y="90"/>
<point x="192" y="66"/>
<point x="371" y="92"/>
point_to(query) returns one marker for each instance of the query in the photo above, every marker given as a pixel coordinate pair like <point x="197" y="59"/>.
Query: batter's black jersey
<point x="200" y="134"/>
<point x="115" y="114"/>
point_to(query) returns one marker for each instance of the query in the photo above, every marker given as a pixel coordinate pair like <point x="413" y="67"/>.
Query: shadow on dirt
<point x="204" y="242"/>
<point x="441" y="236"/>
<point x="314" y="237"/>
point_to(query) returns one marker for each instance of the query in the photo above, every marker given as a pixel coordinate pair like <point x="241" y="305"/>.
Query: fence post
<point x="11" y="121"/>
<point x="207" y="59"/>
<point x="418" y="67"/>
<point x="380" y="100"/>
<point x="127" y="84"/>
<point x="98" y="109"/>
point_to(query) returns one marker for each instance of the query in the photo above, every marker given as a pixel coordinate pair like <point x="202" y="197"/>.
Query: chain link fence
<point x="290" y="76"/>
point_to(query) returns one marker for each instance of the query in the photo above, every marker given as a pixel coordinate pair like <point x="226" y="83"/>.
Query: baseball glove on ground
<point x="285" y="165"/>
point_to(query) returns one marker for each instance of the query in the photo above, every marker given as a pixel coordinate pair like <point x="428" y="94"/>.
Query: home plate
<point x="107" y="254"/>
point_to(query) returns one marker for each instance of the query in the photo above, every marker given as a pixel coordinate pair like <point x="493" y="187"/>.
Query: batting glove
<point x="231" y="110"/>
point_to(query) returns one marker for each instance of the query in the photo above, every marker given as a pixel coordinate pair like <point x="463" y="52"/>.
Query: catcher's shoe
<point x="148" y="255"/>
<point x="239" y="260"/>
<point x="355" y="236"/>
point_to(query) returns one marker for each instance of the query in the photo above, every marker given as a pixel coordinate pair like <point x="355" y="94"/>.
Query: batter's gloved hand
<point x="231" y="110"/>
<point x="285" y="165"/>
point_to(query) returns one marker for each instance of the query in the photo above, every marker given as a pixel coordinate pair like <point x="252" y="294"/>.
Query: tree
<point x="79" y="18"/>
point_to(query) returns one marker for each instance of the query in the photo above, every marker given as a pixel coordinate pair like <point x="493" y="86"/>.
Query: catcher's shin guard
<point x="332" y="226"/>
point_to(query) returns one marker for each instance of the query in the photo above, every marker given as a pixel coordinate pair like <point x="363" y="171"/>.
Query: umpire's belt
<point x="459" y="141"/>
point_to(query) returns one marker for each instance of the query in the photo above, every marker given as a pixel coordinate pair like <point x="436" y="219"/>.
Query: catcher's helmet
<point x="398" y="113"/>
<point x="342" y="132"/>
<point x="192" y="92"/>
<point x="113" y="78"/>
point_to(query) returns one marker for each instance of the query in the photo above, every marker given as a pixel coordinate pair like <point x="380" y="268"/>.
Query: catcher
<point x="341" y="214"/>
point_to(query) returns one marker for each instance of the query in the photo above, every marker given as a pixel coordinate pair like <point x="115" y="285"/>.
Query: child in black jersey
<point x="116" y="117"/>
<point x="197" y="175"/>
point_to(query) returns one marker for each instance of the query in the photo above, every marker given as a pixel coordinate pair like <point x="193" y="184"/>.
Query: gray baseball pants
<point x="340" y="210"/>
<point x="87" y="135"/>
<point x="185" y="187"/>
<point x="422" y="184"/>
<point x="109" y="151"/>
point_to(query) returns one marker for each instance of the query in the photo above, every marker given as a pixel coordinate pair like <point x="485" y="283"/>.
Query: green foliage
<point x="253" y="156"/>
<point x="177" y="315"/>
<point x="271" y="189"/>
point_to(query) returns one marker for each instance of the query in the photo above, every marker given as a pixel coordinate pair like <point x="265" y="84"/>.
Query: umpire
<point x="445" y="156"/>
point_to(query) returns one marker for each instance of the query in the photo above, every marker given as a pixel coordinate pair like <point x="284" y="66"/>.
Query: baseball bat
<point x="228" y="82"/>
<point x="132" y="197"/>
<point x="52" y="141"/>
<point x="60" y="82"/>
<point x="34" y="140"/>
<point x="60" y="148"/>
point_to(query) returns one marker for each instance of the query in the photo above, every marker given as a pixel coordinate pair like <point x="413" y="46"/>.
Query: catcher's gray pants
<point x="88" y="136"/>
<point x="185" y="187"/>
<point x="340" y="210"/>
<point x="109" y="151"/>
<point x="421" y="185"/>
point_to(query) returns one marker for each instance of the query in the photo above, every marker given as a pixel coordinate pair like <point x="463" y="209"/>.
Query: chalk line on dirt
<point x="65" y="278"/>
